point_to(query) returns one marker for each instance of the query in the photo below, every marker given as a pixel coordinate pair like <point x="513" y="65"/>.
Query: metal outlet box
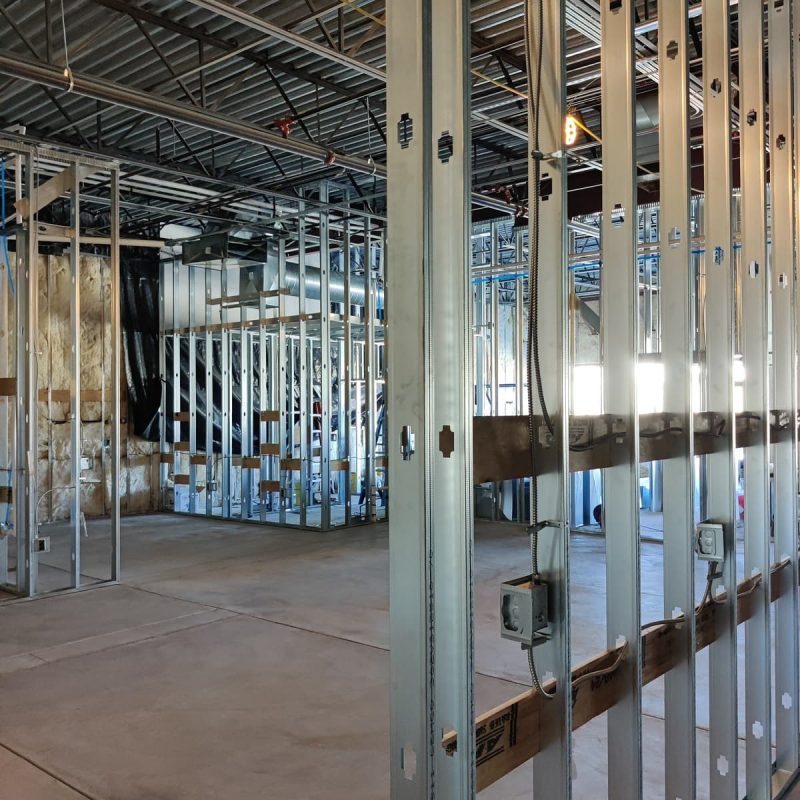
<point x="710" y="541"/>
<point x="523" y="610"/>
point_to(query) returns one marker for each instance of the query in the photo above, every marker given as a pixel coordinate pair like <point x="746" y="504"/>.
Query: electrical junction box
<point x="710" y="541"/>
<point x="523" y="610"/>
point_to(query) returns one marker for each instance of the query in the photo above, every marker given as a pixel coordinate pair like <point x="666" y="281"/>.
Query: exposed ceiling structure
<point x="223" y="111"/>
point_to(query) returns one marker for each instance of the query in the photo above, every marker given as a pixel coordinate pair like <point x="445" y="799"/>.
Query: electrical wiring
<point x="750" y="591"/>
<point x="533" y="366"/>
<point x="623" y="651"/>
<point x="713" y="574"/>
<point x="656" y="434"/>
<point x="590" y="445"/>
<point x="658" y="622"/>
<point x="710" y="578"/>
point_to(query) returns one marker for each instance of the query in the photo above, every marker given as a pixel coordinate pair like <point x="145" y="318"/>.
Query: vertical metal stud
<point x="5" y="416"/>
<point x="677" y="348"/>
<point x="549" y="307"/>
<point x="75" y="384"/>
<point x="246" y="409"/>
<point x="266" y="395"/>
<point x="226" y="425"/>
<point x="430" y="423"/>
<point x="325" y="347"/>
<point x="784" y="381"/>
<point x="370" y="374"/>
<point x="24" y="491"/>
<point x="345" y="380"/>
<point x="619" y="341"/>
<point x="209" y="389"/>
<point x="116" y="377"/>
<point x="191" y="424"/>
<point x="163" y="470"/>
<point x="173" y="419"/>
<point x="281" y="376"/>
<point x="718" y="323"/>
<point x="753" y="276"/>
<point x="303" y="376"/>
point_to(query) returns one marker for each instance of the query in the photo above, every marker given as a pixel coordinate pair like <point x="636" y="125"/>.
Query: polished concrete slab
<point x="248" y="661"/>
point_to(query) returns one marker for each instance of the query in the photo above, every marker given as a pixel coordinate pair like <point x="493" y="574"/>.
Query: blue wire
<point x="3" y="237"/>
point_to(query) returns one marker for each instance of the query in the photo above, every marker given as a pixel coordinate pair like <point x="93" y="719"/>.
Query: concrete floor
<point x="252" y="662"/>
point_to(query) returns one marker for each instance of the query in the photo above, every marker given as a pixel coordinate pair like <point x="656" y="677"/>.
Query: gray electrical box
<point x="523" y="610"/>
<point x="41" y="544"/>
<point x="710" y="541"/>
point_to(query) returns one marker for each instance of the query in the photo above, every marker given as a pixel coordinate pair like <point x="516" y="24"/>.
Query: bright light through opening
<point x="587" y="388"/>
<point x="570" y="130"/>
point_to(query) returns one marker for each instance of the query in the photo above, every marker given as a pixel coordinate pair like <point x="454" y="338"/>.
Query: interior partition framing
<point x="701" y="285"/>
<point x="42" y="176"/>
<point x="287" y="426"/>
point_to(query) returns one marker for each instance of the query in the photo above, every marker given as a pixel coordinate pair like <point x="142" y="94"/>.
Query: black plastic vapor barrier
<point x="139" y="268"/>
<point x="140" y="324"/>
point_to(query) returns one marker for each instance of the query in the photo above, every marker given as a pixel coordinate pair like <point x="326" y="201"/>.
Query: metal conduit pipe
<point x="110" y="92"/>
<point x="148" y="103"/>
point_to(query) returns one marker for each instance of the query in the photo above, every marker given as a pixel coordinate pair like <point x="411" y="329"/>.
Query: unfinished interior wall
<point x="139" y="466"/>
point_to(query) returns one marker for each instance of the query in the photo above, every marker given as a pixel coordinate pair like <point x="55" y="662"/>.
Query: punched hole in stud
<point x="545" y="187"/>
<point x="405" y="130"/>
<point x="617" y="215"/>
<point x="715" y="86"/>
<point x="753" y="269"/>
<point x="722" y="766"/>
<point x="672" y="50"/>
<point x="445" y="147"/>
<point x="408" y="763"/>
